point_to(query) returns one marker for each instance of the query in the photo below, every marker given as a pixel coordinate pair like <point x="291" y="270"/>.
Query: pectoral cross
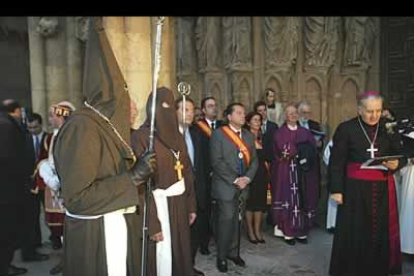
<point x="179" y="167"/>
<point x="372" y="151"/>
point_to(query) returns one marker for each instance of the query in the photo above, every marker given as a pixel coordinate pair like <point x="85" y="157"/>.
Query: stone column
<point x="56" y="81"/>
<point x="258" y="59"/>
<point x="139" y="62"/>
<point x="37" y="69"/>
<point x="74" y="60"/>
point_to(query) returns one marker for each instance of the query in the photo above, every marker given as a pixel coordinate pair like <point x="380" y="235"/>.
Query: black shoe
<point x="237" y="261"/>
<point x="13" y="270"/>
<point x="197" y="272"/>
<point x="56" y="269"/>
<point x="222" y="265"/>
<point x="204" y="251"/>
<point x="252" y="241"/>
<point x="331" y="230"/>
<point x="36" y="257"/>
<point x="290" y="241"/>
<point x="261" y="241"/>
<point x="303" y="241"/>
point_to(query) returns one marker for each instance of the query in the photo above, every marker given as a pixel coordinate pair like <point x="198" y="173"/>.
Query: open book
<point x="376" y="163"/>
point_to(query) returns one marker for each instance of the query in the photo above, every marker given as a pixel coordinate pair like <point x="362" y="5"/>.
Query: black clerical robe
<point x="366" y="239"/>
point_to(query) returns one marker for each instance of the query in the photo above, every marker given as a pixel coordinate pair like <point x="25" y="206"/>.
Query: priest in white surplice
<point x="405" y="193"/>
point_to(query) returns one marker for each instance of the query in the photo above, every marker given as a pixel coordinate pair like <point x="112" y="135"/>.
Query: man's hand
<point x="193" y="217"/>
<point x="338" y="198"/>
<point x="391" y="164"/>
<point x="242" y="182"/>
<point x="157" y="237"/>
<point x="144" y="168"/>
<point x="412" y="160"/>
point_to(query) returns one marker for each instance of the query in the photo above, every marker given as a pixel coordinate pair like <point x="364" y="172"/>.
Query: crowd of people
<point x="209" y="178"/>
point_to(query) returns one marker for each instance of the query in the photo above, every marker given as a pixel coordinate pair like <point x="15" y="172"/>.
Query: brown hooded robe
<point x="92" y="164"/>
<point x="168" y="137"/>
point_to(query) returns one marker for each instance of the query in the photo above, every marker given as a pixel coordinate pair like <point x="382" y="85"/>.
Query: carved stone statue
<point x="82" y="28"/>
<point x="280" y="41"/>
<point x="321" y="39"/>
<point x="185" y="45"/>
<point x="207" y="35"/>
<point x="47" y="26"/>
<point x="360" y="35"/>
<point x="237" y="42"/>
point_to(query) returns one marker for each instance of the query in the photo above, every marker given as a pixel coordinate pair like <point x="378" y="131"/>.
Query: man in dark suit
<point x="197" y="149"/>
<point x="305" y="112"/>
<point x="206" y="127"/>
<point x="268" y="130"/>
<point x="15" y="171"/>
<point x="35" y="127"/>
<point x="234" y="161"/>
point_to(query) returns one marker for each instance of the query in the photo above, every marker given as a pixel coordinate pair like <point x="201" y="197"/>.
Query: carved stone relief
<point x="360" y="35"/>
<point x="47" y="26"/>
<point x="207" y="37"/>
<point x="280" y="41"/>
<point x="321" y="38"/>
<point x="82" y="28"/>
<point x="237" y="42"/>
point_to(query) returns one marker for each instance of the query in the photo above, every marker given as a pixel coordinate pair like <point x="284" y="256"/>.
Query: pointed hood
<point x="104" y="86"/>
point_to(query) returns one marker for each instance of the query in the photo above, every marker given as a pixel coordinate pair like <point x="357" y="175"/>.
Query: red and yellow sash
<point x="204" y="126"/>
<point x="239" y="143"/>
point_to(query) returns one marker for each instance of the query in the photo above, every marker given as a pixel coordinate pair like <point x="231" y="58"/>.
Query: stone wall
<point x="326" y="60"/>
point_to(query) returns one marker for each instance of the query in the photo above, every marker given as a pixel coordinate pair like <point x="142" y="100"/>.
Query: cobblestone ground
<point x="274" y="258"/>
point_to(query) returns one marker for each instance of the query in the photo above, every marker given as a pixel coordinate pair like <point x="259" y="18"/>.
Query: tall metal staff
<point x="156" y="71"/>
<point x="184" y="89"/>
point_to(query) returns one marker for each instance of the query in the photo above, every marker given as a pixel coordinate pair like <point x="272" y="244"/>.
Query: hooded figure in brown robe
<point x="98" y="171"/>
<point x="181" y="208"/>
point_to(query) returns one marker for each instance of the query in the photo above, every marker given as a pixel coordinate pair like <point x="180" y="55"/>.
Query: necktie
<point x="37" y="149"/>
<point x="190" y="146"/>
<point x="263" y="128"/>
<point x="213" y="125"/>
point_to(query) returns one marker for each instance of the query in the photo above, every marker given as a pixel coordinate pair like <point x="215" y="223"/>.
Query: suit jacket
<point x="268" y="140"/>
<point x="206" y="140"/>
<point x="225" y="162"/>
<point x="313" y="125"/>
<point x="202" y="183"/>
<point x="16" y="160"/>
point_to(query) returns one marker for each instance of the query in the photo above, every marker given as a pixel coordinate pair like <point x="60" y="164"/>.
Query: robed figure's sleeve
<point x="338" y="160"/>
<point x="79" y="162"/>
<point x="139" y="141"/>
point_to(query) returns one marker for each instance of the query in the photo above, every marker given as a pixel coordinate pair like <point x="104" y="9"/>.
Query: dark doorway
<point x="15" y="60"/>
<point x="397" y="64"/>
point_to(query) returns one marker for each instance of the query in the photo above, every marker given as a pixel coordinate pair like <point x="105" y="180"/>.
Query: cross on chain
<point x="372" y="151"/>
<point x="179" y="167"/>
